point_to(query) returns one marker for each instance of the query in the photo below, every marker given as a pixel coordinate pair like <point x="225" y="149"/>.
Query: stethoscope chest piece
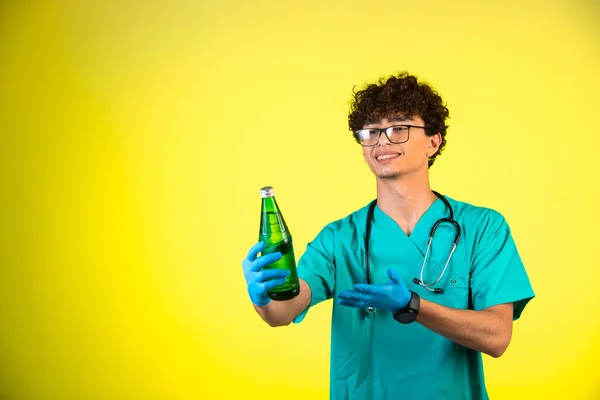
<point x="370" y="312"/>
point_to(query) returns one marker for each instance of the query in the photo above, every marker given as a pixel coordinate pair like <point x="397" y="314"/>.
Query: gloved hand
<point x="260" y="281"/>
<point x="390" y="296"/>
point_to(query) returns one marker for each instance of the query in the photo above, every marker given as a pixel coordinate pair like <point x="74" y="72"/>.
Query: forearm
<point x="281" y="313"/>
<point x="488" y="331"/>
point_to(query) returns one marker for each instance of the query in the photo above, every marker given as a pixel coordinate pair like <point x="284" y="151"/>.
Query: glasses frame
<point x="387" y="132"/>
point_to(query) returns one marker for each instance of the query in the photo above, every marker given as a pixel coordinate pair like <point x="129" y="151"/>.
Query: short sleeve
<point x="498" y="275"/>
<point x="317" y="268"/>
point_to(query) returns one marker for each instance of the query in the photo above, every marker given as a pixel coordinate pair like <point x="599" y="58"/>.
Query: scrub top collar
<point x="423" y="227"/>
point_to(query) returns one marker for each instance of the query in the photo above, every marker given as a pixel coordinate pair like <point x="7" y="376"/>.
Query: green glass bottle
<point x="276" y="235"/>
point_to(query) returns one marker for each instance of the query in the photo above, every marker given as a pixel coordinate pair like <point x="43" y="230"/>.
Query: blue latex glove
<point x="260" y="281"/>
<point x="390" y="296"/>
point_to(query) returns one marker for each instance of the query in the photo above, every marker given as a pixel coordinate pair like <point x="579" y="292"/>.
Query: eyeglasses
<point x="395" y="134"/>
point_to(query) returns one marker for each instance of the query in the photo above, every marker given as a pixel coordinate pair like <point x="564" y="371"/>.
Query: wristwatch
<point x="409" y="313"/>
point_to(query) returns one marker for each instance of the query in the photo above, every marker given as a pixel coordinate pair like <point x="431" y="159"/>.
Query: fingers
<point x="254" y="250"/>
<point x="269" y="274"/>
<point x="269" y="279"/>
<point x="365" y="288"/>
<point x="354" y="295"/>
<point x="265" y="260"/>
<point x="351" y="303"/>
<point x="393" y="275"/>
<point x="272" y="284"/>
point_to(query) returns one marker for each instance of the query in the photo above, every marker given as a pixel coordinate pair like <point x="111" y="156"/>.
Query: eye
<point x="399" y="129"/>
<point x="366" y="133"/>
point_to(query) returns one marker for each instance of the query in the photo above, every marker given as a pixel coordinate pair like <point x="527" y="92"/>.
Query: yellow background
<point x="135" y="137"/>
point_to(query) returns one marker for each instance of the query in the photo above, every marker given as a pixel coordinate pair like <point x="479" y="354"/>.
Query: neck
<point x="405" y="199"/>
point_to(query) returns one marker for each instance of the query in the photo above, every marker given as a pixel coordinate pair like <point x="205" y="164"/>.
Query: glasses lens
<point x="398" y="134"/>
<point x="395" y="134"/>
<point x="367" y="137"/>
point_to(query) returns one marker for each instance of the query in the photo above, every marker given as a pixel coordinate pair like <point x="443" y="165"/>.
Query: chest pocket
<point x="455" y="279"/>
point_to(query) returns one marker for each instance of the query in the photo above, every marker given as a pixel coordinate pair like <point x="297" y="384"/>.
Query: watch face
<point x="407" y="316"/>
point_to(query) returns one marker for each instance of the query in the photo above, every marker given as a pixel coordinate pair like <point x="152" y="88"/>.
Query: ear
<point x="434" y="144"/>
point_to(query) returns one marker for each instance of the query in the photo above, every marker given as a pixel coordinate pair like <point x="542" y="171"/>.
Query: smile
<point x="387" y="156"/>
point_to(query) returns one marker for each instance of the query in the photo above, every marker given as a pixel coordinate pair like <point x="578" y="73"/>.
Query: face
<point x="389" y="161"/>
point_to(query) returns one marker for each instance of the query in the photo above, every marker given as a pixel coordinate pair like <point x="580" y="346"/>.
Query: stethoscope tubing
<point x="420" y="281"/>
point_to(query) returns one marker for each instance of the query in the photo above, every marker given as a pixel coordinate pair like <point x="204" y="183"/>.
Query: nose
<point x="385" y="138"/>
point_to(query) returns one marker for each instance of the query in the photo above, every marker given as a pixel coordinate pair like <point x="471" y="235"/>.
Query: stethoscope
<point x="428" y="286"/>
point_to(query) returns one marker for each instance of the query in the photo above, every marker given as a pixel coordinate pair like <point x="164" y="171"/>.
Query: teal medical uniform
<point x="379" y="358"/>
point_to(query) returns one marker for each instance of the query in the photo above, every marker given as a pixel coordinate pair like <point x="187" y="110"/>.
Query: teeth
<point x="387" y="156"/>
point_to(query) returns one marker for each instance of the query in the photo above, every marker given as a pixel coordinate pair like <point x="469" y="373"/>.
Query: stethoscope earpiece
<point x="434" y="290"/>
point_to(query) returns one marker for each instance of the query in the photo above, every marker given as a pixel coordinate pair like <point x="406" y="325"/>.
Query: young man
<point x="411" y="316"/>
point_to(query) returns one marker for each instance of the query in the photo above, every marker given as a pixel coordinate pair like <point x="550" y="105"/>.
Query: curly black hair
<point x="399" y="95"/>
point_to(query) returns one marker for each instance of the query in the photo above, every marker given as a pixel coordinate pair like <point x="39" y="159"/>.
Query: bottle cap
<point x="267" y="191"/>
